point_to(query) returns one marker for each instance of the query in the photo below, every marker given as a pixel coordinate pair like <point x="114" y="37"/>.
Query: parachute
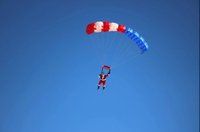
<point x="103" y="26"/>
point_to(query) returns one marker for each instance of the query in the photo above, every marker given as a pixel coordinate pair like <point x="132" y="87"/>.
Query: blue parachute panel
<point x="142" y="44"/>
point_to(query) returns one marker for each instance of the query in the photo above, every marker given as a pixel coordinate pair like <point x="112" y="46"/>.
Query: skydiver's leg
<point x="104" y="84"/>
<point x="99" y="84"/>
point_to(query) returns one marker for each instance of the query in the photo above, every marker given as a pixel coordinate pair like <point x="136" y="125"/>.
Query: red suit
<point x="103" y="79"/>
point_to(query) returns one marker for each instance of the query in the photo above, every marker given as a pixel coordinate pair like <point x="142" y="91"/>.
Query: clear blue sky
<point x="49" y="67"/>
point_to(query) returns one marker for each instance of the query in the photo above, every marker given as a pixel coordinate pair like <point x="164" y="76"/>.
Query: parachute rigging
<point x="100" y="26"/>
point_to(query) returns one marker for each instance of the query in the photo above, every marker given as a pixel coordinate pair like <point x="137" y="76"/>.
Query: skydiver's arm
<point x="109" y="72"/>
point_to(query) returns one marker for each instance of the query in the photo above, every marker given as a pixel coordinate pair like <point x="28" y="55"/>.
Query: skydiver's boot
<point x="104" y="88"/>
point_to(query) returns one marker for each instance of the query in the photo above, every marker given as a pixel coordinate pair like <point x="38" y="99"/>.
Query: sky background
<point x="49" y="67"/>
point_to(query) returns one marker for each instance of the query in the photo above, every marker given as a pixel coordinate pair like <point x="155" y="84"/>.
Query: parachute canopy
<point x="100" y="26"/>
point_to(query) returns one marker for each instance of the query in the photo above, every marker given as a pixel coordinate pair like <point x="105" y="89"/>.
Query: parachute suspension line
<point x="122" y="50"/>
<point x="117" y="48"/>
<point x="126" y="54"/>
<point x="92" y="45"/>
<point x="99" y="43"/>
<point x="129" y="58"/>
<point x="109" y="47"/>
<point x="113" y="41"/>
<point x="95" y="43"/>
<point x="104" y="51"/>
<point x="123" y="47"/>
<point x="122" y="53"/>
<point x="104" y="46"/>
<point x="132" y="58"/>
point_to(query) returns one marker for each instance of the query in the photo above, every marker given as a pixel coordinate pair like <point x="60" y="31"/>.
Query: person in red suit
<point x="102" y="78"/>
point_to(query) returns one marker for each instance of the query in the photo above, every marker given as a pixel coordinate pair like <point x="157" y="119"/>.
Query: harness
<point x="103" y="77"/>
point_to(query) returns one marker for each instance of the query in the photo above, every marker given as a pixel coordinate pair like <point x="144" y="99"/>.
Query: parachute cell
<point x="100" y="26"/>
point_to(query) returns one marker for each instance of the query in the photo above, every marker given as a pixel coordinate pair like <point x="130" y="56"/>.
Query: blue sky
<point x="49" y="67"/>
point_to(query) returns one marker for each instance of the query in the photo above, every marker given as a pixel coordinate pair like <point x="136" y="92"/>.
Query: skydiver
<point x="102" y="78"/>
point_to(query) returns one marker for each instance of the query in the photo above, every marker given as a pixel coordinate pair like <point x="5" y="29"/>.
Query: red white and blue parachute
<point x="100" y="26"/>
